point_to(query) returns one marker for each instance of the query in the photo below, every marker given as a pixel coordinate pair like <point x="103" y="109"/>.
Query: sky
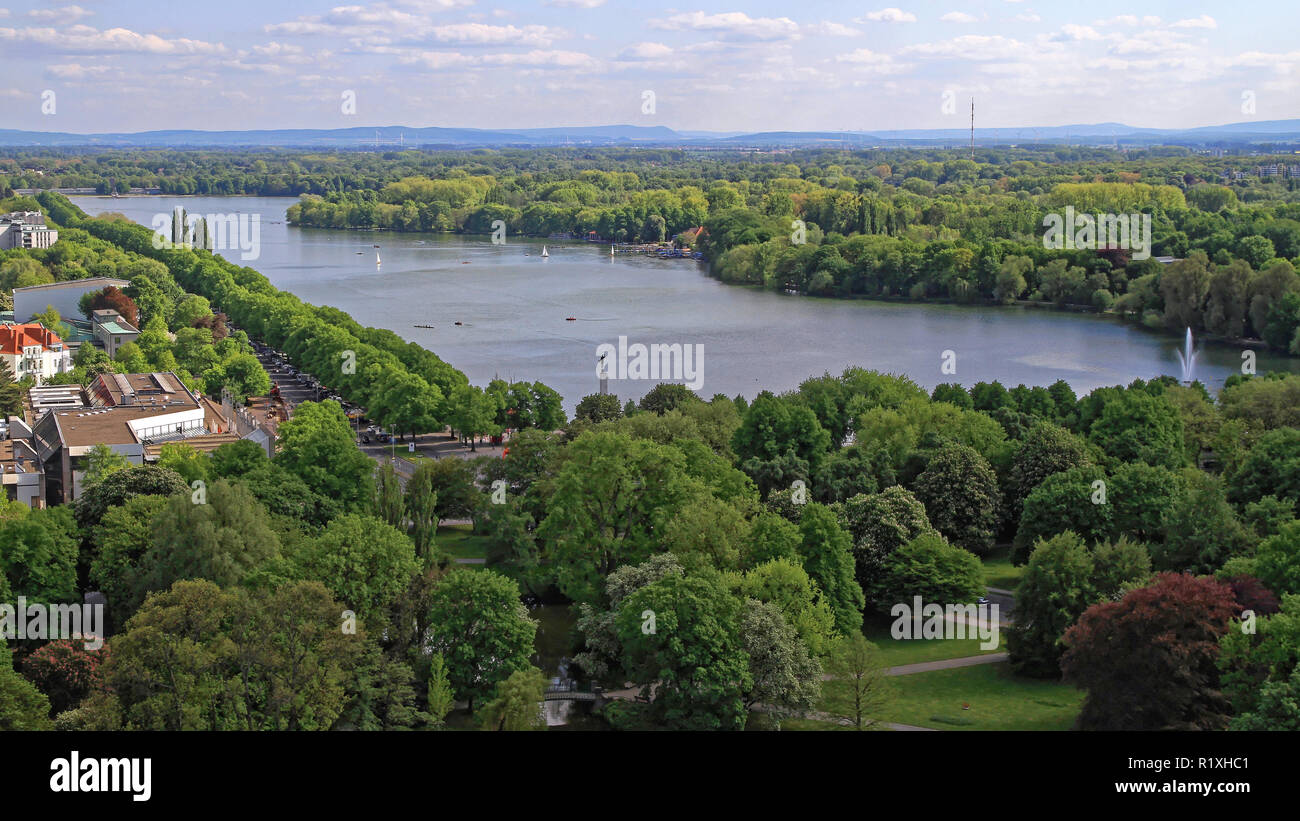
<point x="756" y="65"/>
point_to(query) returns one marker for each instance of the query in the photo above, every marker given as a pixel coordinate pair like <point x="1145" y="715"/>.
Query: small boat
<point x="570" y="319"/>
<point x="377" y="260"/>
<point x="545" y="253"/>
<point x="458" y="322"/>
<point x="424" y="326"/>
<point x="464" y="262"/>
<point x="611" y="249"/>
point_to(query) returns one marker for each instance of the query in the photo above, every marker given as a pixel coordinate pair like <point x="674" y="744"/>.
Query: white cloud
<point x="576" y="4"/>
<point x="832" y="29"/>
<point x="970" y="47"/>
<point x="1205" y="21"/>
<point x="75" y="71"/>
<point x="1029" y="17"/>
<point x="1073" y="31"/>
<point x="735" y="25"/>
<point x="646" y="51"/>
<point x="959" y="17"/>
<point x="66" y="14"/>
<point x="87" y="39"/>
<point x="1129" y="20"/>
<point x="889" y="15"/>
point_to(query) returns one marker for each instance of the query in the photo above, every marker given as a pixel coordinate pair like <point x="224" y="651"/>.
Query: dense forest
<point x="902" y="224"/>
<point x="762" y="536"/>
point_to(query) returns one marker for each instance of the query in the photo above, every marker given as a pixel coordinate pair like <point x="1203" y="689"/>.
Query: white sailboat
<point x="544" y="251"/>
<point x="377" y="259"/>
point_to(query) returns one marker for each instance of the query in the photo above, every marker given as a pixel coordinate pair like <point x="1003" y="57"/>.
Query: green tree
<point x="364" y="562"/>
<point x="960" y="494"/>
<point x="929" y="567"/>
<point x="441" y="700"/>
<point x="828" y="559"/>
<point x="859" y="687"/>
<point x="22" y="706"/>
<point x="518" y="702"/>
<point x="317" y="445"/>
<point x="481" y="628"/>
<point x="688" y="652"/>
<point x="611" y="497"/>
<point x="785" y="679"/>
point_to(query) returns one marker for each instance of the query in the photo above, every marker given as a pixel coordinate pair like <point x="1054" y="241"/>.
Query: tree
<point x="65" y="671"/>
<point x="610" y="499"/>
<point x="22" y="706"/>
<point x="317" y="445"/>
<point x="787" y="585"/>
<point x="1138" y="426"/>
<point x="598" y="407"/>
<point x="1046" y="449"/>
<point x="1201" y="530"/>
<point x="828" y="559"/>
<point x="859" y="687"/>
<point x="51" y="319"/>
<point x="784" y="678"/>
<point x="1071" y="500"/>
<point x="1271" y="467"/>
<point x="518" y="702"/>
<point x="364" y="562"/>
<point x="185" y="460"/>
<point x="666" y="396"/>
<point x="102" y="461"/>
<point x="1056" y="588"/>
<point x="771" y="536"/>
<point x="38" y="553"/>
<point x="1277" y="560"/>
<point x="199" y="657"/>
<point x="774" y="431"/>
<point x="224" y="540"/>
<point x="481" y="628"/>
<point x="960" y="494"/>
<point x="931" y="568"/>
<point x="390" y="505"/>
<point x="441" y="700"/>
<point x="1258" y="671"/>
<point x="1148" y="661"/>
<point x="454" y="481"/>
<point x="879" y="524"/>
<point x="421" y="505"/>
<point x="1011" y="278"/>
<point x="11" y="393"/>
<point x="688" y="652"/>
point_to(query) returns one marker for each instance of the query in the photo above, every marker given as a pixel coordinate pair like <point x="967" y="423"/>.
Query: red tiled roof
<point x="13" y="338"/>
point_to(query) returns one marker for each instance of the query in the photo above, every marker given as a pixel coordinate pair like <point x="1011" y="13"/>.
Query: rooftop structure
<point x="64" y="296"/>
<point x="33" y="350"/>
<point x="26" y="229"/>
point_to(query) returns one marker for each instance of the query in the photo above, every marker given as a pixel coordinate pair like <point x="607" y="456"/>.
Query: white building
<point x="26" y="229"/>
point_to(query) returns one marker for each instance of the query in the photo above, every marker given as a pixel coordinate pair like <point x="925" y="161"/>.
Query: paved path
<point x="945" y="664"/>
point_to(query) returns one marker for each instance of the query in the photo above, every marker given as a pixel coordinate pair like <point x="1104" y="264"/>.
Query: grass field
<point x="895" y="652"/>
<point x="999" y="572"/>
<point x="998" y="700"/>
<point x="460" y="542"/>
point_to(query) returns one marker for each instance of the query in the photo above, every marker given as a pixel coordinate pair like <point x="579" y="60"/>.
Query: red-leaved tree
<point x="111" y="298"/>
<point x="65" y="671"/>
<point x="1148" y="660"/>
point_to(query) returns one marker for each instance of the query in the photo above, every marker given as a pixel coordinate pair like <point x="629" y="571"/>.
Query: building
<point x="126" y="412"/>
<point x="112" y="330"/>
<point x="26" y="229"/>
<point x="33" y="350"/>
<point x="64" y="296"/>
<point x="21" y="477"/>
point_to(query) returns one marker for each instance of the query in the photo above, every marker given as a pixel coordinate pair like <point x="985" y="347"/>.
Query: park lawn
<point x="895" y="652"/>
<point x="998" y="700"/>
<point x="461" y="542"/>
<point x="999" y="572"/>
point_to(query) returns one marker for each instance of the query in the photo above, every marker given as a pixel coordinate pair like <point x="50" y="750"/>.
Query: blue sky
<point x="722" y="66"/>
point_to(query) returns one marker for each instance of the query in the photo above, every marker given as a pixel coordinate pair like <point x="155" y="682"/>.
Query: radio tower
<point x="972" y="129"/>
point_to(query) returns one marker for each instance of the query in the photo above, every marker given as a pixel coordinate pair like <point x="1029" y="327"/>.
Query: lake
<point x="514" y="307"/>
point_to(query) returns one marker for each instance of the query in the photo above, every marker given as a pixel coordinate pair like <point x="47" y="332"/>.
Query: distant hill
<point x="1263" y="131"/>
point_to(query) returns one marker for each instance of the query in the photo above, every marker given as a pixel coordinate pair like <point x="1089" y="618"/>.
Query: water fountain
<point x="1187" y="357"/>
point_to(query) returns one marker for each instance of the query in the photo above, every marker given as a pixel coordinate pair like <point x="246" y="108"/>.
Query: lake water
<point x="514" y="306"/>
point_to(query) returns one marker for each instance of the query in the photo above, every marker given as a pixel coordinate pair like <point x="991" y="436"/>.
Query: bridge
<point x="571" y="695"/>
